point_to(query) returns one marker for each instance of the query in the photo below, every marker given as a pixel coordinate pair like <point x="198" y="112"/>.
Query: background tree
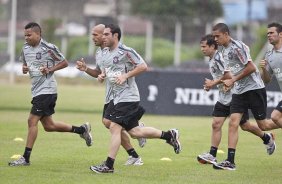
<point x="193" y="14"/>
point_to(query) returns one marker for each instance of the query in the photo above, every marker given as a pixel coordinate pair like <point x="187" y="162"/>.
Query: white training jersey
<point x="274" y="64"/>
<point x="217" y="67"/>
<point x="237" y="55"/>
<point x="44" y="54"/>
<point x="99" y="59"/>
<point x="117" y="62"/>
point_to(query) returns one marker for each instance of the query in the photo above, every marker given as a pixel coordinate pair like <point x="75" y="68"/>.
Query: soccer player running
<point x="41" y="59"/>
<point x="121" y="64"/>
<point x="272" y="65"/>
<point x="219" y="71"/>
<point x="97" y="33"/>
<point x="248" y="91"/>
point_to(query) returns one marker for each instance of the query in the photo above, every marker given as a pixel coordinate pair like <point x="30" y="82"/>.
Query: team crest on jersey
<point x="38" y="55"/>
<point x="230" y="55"/>
<point x="115" y="60"/>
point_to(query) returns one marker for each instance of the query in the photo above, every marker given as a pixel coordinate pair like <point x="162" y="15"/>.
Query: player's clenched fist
<point x="263" y="63"/>
<point x="25" y="69"/>
<point x="80" y="64"/>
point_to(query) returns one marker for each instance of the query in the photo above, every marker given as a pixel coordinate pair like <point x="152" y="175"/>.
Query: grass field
<point x="64" y="157"/>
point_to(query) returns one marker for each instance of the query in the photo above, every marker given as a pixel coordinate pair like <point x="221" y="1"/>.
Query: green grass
<point x="64" y="157"/>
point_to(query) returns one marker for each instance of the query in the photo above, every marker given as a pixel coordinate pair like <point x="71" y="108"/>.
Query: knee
<point x="275" y="117"/>
<point x="31" y="123"/>
<point x="245" y="126"/>
<point x="48" y="128"/>
<point x="216" y="125"/>
<point x="234" y="124"/>
<point x="263" y="126"/>
<point x="133" y="133"/>
<point x="106" y="122"/>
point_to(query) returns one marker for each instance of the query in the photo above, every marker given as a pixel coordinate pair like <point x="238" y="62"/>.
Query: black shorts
<point x="126" y="114"/>
<point x="221" y="110"/>
<point x="279" y="106"/>
<point x="43" y="105"/>
<point x="254" y="100"/>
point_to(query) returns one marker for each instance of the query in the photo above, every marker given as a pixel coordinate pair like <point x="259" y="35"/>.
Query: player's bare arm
<point x="45" y="69"/>
<point x="136" y="71"/>
<point x="81" y="65"/>
<point x="250" y="68"/>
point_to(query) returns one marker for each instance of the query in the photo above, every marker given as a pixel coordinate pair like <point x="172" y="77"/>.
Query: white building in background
<point x="243" y="11"/>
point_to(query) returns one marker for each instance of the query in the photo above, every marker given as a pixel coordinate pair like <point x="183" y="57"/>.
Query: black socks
<point x="213" y="151"/>
<point x="27" y="153"/>
<point x="166" y="135"/>
<point x="133" y="153"/>
<point x="78" y="130"/>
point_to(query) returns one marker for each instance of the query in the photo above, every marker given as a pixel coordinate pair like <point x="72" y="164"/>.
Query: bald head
<point x="97" y="33"/>
<point x="99" y="28"/>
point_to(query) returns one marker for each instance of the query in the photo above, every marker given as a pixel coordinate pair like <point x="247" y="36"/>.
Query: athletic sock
<point x="166" y="135"/>
<point x="132" y="152"/>
<point x="231" y="155"/>
<point x="213" y="151"/>
<point x="265" y="138"/>
<point x="78" y="130"/>
<point x="27" y="153"/>
<point x="110" y="162"/>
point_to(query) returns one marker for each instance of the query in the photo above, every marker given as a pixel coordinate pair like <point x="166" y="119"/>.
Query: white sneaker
<point x="87" y="135"/>
<point x="174" y="141"/>
<point x="141" y="141"/>
<point x="20" y="162"/>
<point x="206" y="158"/>
<point x="134" y="161"/>
<point x="270" y="146"/>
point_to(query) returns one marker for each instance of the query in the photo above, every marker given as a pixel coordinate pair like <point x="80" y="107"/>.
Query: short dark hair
<point x="210" y="40"/>
<point x="221" y="27"/>
<point x="276" y="25"/>
<point x="33" y="25"/>
<point x="114" y="29"/>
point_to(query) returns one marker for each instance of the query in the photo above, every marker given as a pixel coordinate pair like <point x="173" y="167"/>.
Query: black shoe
<point x="101" y="168"/>
<point x="225" y="165"/>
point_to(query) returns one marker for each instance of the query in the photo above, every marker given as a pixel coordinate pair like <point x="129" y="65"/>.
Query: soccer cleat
<point x="20" y="162"/>
<point x="102" y="168"/>
<point x="87" y="135"/>
<point x="134" y="161"/>
<point x="225" y="165"/>
<point x="270" y="146"/>
<point x="141" y="141"/>
<point x="206" y="158"/>
<point x="174" y="141"/>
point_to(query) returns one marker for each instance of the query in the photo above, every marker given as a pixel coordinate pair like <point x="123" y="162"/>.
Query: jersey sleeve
<point x="22" y="58"/>
<point x="267" y="67"/>
<point x="243" y="53"/>
<point x="134" y="57"/>
<point x="221" y="64"/>
<point x="56" y="54"/>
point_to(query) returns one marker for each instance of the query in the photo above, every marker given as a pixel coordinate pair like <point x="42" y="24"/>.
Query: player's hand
<point x="120" y="79"/>
<point x="25" y="69"/>
<point x="228" y="83"/>
<point x="263" y="63"/>
<point x="81" y="65"/>
<point x="101" y="77"/>
<point x="208" y="84"/>
<point x="44" y="70"/>
<point x="226" y="89"/>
